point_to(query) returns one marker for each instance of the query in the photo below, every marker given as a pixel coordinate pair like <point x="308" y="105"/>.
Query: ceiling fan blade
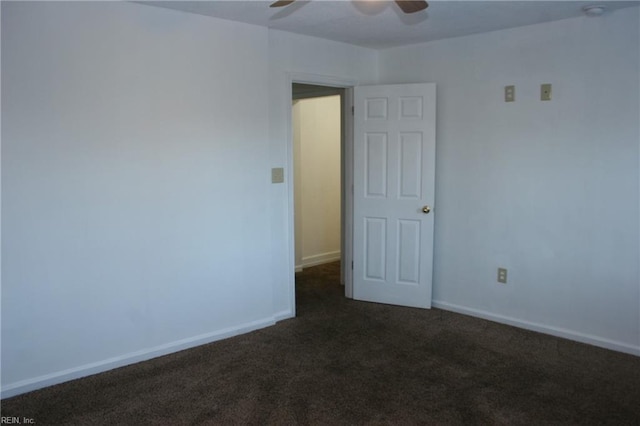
<point x="412" y="6"/>
<point x="281" y="3"/>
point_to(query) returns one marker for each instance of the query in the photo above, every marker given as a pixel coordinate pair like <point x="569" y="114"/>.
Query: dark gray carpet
<point x="342" y="362"/>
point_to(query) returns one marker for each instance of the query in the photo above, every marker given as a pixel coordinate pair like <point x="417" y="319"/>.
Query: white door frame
<point x="346" y="212"/>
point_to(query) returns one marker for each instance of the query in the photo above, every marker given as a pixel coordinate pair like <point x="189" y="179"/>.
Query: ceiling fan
<point x="407" y="6"/>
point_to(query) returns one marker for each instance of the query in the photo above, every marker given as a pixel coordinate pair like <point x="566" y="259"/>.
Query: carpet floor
<point x="343" y="362"/>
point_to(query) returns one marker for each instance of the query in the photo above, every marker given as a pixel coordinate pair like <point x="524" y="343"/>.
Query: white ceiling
<point x="380" y="24"/>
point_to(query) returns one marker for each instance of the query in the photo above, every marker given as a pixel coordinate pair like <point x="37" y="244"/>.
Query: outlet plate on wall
<point x="545" y="92"/>
<point x="509" y="93"/>
<point x="502" y="275"/>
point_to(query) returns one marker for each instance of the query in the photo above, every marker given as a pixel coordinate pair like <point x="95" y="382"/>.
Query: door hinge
<point x="352" y="265"/>
<point x="352" y="109"/>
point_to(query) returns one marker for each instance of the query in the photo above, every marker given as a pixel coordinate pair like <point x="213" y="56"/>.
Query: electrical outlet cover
<point x="509" y="93"/>
<point x="502" y="275"/>
<point x="545" y="92"/>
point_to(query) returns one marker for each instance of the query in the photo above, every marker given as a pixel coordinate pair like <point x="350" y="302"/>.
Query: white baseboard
<point x="283" y="315"/>
<point x="298" y="268"/>
<point x="320" y="259"/>
<point x="29" y="385"/>
<point x="554" y="331"/>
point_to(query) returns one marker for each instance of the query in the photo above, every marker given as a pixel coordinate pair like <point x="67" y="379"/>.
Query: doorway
<point x="410" y="264"/>
<point x="319" y="129"/>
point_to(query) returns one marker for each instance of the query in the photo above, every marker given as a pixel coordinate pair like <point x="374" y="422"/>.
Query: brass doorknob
<point x="426" y="209"/>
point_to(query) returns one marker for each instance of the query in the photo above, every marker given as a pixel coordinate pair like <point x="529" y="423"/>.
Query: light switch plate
<point x="545" y="92"/>
<point x="277" y="175"/>
<point x="509" y="93"/>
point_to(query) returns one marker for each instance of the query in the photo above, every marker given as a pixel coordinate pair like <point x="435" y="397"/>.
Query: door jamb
<point x="346" y="249"/>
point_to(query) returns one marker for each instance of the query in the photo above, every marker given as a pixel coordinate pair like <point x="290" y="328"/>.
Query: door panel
<point x="394" y="172"/>
<point x="410" y="169"/>
<point x="376" y="165"/>
<point x="408" y="252"/>
<point x="375" y="248"/>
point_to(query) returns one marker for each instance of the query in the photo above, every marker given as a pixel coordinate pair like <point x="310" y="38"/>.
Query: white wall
<point x="549" y="190"/>
<point x="138" y="215"/>
<point x="134" y="153"/>
<point x="320" y="61"/>
<point x="316" y="138"/>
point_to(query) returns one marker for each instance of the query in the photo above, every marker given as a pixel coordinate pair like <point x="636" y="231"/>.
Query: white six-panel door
<point x="394" y="179"/>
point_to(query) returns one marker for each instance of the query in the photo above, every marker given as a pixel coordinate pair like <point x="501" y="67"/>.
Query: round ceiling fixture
<point x="593" y="10"/>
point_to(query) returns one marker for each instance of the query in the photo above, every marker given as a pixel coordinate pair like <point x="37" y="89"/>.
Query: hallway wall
<point x="316" y="135"/>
